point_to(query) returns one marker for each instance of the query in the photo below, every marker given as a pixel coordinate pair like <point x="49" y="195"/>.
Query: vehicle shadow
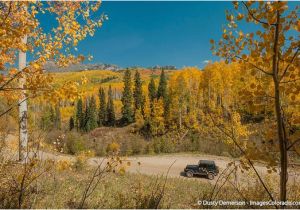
<point x="182" y="173"/>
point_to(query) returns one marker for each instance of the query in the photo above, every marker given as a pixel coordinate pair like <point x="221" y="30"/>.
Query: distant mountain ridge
<point x="50" y="66"/>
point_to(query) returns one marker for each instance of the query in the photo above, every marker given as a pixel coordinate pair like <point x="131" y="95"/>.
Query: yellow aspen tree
<point x="21" y="31"/>
<point x="271" y="52"/>
<point x="157" y="123"/>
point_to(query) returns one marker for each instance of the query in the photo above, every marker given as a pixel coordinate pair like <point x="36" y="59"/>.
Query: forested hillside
<point x="174" y="104"/>
<point x="108" y="138"/>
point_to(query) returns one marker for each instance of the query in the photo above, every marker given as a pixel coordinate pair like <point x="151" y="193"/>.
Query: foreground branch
<point x="249" y="161"/>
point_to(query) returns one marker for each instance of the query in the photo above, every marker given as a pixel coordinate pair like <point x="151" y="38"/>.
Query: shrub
<point x="74" y="143"/>
<point x="81" y="159"/>
<point x="167" y="145"/>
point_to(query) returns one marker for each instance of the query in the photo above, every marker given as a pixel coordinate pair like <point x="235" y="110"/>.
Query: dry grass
<point x="64" y="190"/>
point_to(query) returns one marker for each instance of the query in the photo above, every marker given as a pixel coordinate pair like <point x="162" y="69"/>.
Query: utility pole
<point x="23" y="131"/>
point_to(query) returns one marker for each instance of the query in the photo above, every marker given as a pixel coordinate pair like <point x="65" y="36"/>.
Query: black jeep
<point x="206" y="168"/>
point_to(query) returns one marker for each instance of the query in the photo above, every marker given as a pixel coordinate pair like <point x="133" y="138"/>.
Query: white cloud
<point x="206" y="61"/>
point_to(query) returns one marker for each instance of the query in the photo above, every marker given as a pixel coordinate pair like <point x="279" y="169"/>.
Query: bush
<point x="74" y="143"/>
<point x="167" y="145"/>
<point x="100" y="150"/>
<point x="136" y="144"/>
<point x="81" y="159"/>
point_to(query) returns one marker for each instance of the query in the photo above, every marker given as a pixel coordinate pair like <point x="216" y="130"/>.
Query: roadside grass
<point x="64" y="190"/>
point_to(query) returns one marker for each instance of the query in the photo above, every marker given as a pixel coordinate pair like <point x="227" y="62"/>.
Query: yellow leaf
<point x="240" y="16"/>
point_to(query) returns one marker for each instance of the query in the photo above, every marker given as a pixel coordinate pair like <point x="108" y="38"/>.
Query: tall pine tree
<point x="92" y="119"/>
<point x="152" y="95"/>
<point x="71" y="123"/>
<point x="86" y="124"/>
<point x="162" y="86"/>
<point x="102" y="114"/>
<point x="127" y="111"/>
<point x="79" y="115"/>
<point x="162" y="93"/>
<point x="152" y="90"/>
<point x="110" y="108"/>
<point x="137" y="92"/>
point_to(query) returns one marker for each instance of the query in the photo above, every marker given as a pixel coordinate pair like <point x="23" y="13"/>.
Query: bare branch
<point x="293" y="80"/>
<point x="226" y="179"/>
<point x="19" y="88"/>
<point x="219" y="178"/>
<point x="293" y="144"/>
<point x="249" y="161"/>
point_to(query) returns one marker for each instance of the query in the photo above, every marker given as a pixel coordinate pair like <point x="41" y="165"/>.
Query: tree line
<point x="88" y="116"/>
<point x="150" y="106"/>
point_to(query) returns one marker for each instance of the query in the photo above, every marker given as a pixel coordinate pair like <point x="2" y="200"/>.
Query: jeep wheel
<point x="210" y="176"/>
<point x="189" y="174"/>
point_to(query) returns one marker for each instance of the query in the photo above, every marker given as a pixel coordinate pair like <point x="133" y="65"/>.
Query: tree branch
<point x="288" y="66"/>
<point x="9" y="10"/>
<point x="293" y="144"/>
<point x="10" y="80"/>
<point x="18" y="104"/>
<point x="19" y="88"/>
<point x="255" y="18"/>
<point x="15" y="76"/>
<point x="293" y="80"/>
<point x="258" y="68"/>
<point x="249" y="161"/>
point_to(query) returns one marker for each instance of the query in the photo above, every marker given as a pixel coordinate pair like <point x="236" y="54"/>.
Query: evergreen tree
<point x="86" y="124"/>
<point x="102" y="115"/>
<point x="92" y="118"/>
<point x="163" y="93"/>
<point x="127" y="112"/>
<point x="110" y="108"/>
<point x="71" y="123"/>
<point x="152" y="94"/>
<point x="143" y="104"/>
<point x="47" y="118"/>
<point x="162" y="87"/>
<point x="79" y="115"/>
<point x="52" y="116"/>
<point x="152" y="90"/>
<point x="90" y="115"/>
<point x="137" y="92"/>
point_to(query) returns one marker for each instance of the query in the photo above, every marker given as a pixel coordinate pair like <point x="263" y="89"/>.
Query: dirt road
<point x="159" y="164"/>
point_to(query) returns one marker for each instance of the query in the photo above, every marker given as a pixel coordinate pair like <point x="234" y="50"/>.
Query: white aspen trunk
<point x="23" y="131"/>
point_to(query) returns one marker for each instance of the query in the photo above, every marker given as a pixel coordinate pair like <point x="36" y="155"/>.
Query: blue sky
<point x="156" y="33"/>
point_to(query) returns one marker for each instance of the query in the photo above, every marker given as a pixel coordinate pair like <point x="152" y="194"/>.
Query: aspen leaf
<point x="240" y="16"/>
<point x="293" y="97"/>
